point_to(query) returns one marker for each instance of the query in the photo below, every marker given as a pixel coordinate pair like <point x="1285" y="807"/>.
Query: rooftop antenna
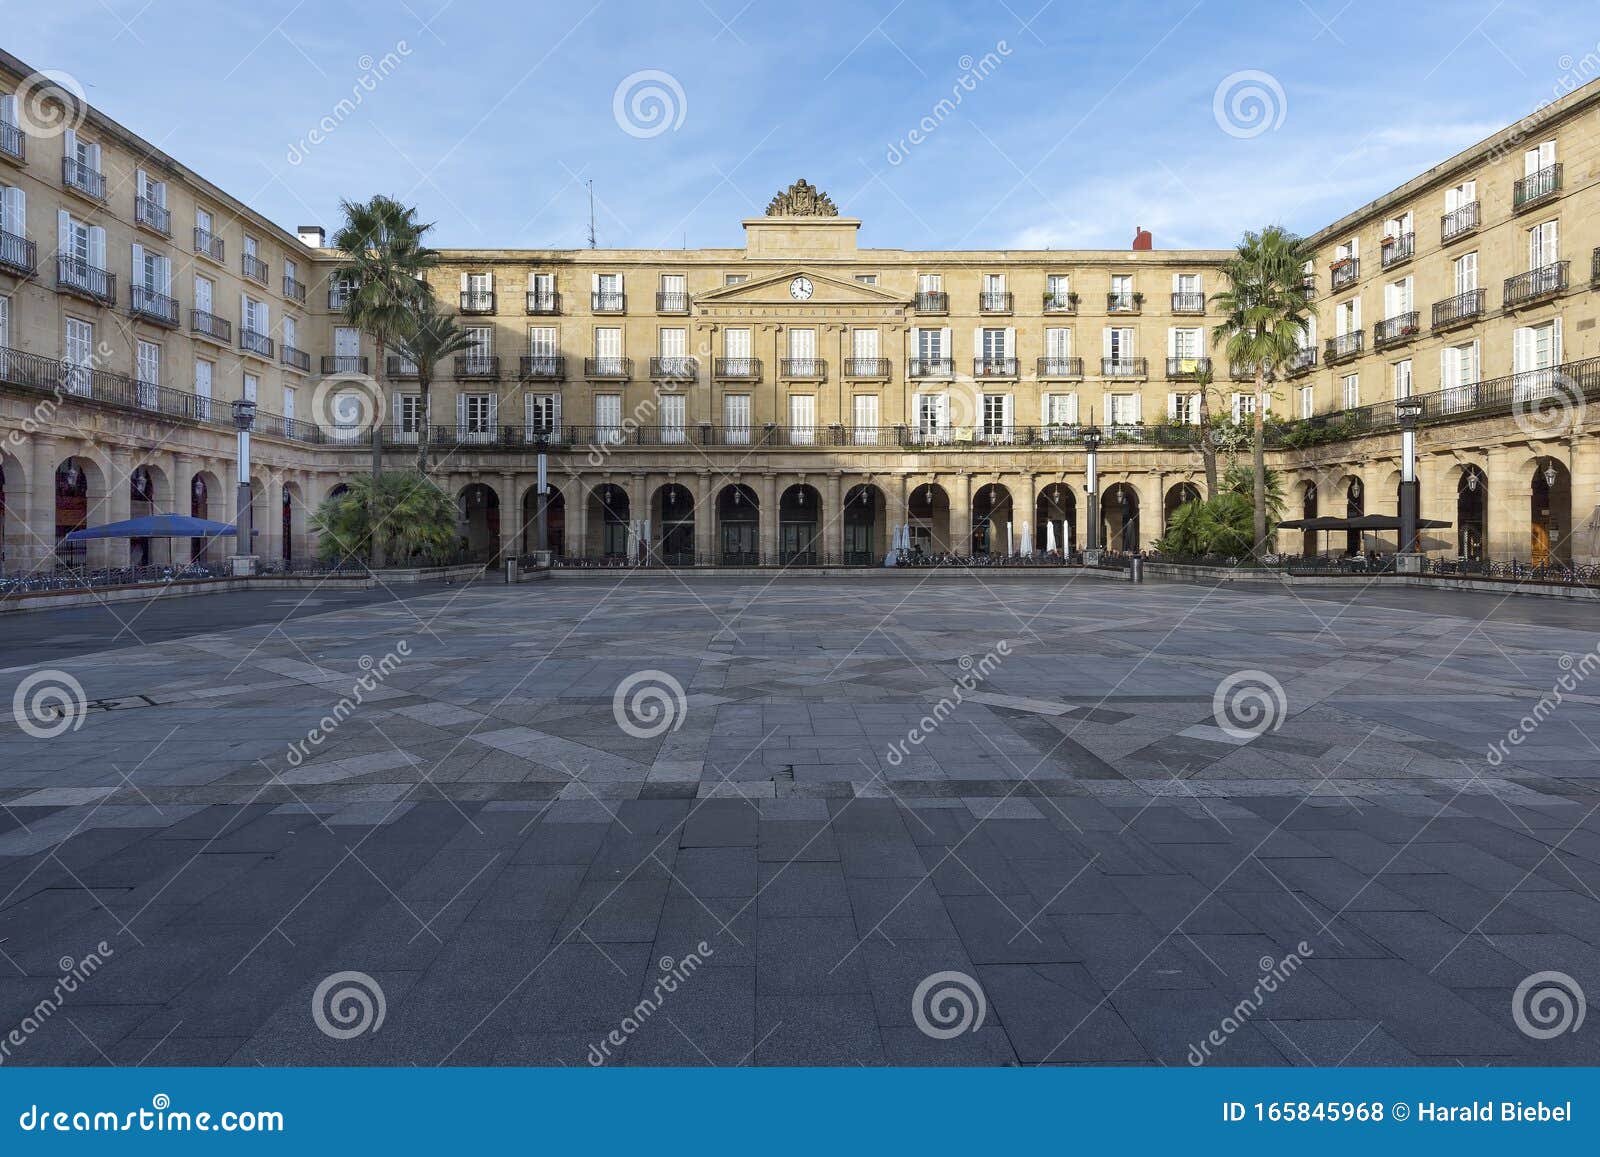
<point x="591" y="213"/>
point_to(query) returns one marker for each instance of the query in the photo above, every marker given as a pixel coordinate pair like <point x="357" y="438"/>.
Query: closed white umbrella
<point x="1050" y="535"/>
<point x="1027" y="539"/>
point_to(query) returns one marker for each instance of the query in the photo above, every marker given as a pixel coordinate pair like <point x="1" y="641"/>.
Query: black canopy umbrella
<point x="1323" y="523"/>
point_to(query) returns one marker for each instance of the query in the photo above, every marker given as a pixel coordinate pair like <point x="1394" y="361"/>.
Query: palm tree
<point x="1266" y="312"/>
<point x="430" y="337"/>
<point x="1204" y="440"/>
<point x="384" y="267"/>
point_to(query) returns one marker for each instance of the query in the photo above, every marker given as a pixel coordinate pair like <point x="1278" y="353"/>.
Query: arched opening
<point x="1551" y="514"/>
<point x="1308" y="509"/>
<point x="1354" y="507"/>
<point x="478" y="521"/>
<point x="863" y="520"/>
<point x="610" y="510"/>
<point x="73" y="489"/>
<point x="141" y="504"/>
<point x="293" y="522"/>
<point x="1472" y="513"/>
<point x="1056" y="517"/>
<point x="928" y="519"/>
<point x="991" y="520"/>
<point x="555" y="521"/>
<point x="1180" y="495"/>
<point x="5" y="518"/>
<point x="1119" y="514"/>
<point x="738" y="526"/>
<point x="673" y="510"/>
<point x="799" y="511"/>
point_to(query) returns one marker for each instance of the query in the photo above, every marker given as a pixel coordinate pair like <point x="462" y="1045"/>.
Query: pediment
<point x="773" y="290"/>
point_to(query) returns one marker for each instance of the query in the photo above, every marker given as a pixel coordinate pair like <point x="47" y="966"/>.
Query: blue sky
<point x="1089" y="119"/>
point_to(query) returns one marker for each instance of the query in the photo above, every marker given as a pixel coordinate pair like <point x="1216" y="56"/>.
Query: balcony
<point x="1397" y="250"/>
<point x="153" y="306"/>
<point x="803" y="369"/>
<point x="294" y="290"/>
<point x="1061" y="303"/>
<point x="1124" y="302"/>
<point x="1594" y="268"/>
<point x="737" y="369"/>
<point x="81" y="178"/>
<point x="994" y="303"/>
<point x="1393" y="331"/>
<point x="13" y="143"/>
<point x="1343" y="348"/>
<point x="1458" y="223"/>
<point x="1187" y="369"/>
<point x="76" y="276"/>
<point x="604" y="301"/>
<point x="477" y="301"/>
<point x="210" y="326"/>
<point x="931" y="368"/>
<point x="608" y="368"/>
<point x="672" y="303"/>
<point x="207" y="244"/>
<point x="255" y="343"/>
<point x="399" y="369"/>
<point x="544" y="301"/>
<point x="154" y="217"/>
<point x="542" y="367"/>
<point x="477" y="367"/>
<point x="674" y="369"/>
<point x="1303" y="362"/>
<point x="295" y="359"/>
<point x="1124" y="367"/>
<point x="1536" y="188"/>
<point x="867" y="367"/>
<point x="1343" y="273"/>
<point x="1188" y="303"/>
<point x="931" y="301"/>
<point x="1308" y="284"/>
<point x="18" y="255"/>
<point x="1241" y="372"/>
<point x="1060" y="367"/>
<point x="994" y="367"/>
<point x="1536" y="285"/>
<point x="1463" y="309"/>
<point x="343" y="364"/>
<point x="254" y="268"/>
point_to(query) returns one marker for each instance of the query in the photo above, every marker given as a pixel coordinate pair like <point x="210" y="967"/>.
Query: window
<point x="477" y="292"/>
<point x="1348" y="250"/>
<point x="736" y="346"/>
<point x="1539" y="158"/>
<point x="147" y="373"/>
<point x="933" y="416"/>
<point x="1402" y="379"/>
<point x="1536" y="350"/>
<point x="997" y="424"/>
<point x="674" y="292"/>
<point x="1121" y="292"/>
<point x="802" y="419"/>
<point x="1244" y="406"/>
<point x="77" y="354"/>
<point x="992" y="347"/>
<point x="1466" y="273"/>
<point x="864" y="348"/>
<point x="736" y="418"/>
<point x="14" y="221"/>
<point x="608" y="351"/>
<point x="251" y="385"/>
<point x="202" y="389"/>
<point x="1184" y="409"/>
<point x="608" y="291"/>
<point x="1056" y="288"/>
<point x="994" y="295"/>
<point x="735" y="278"/>
<point x="930" y="283"/>
<point x="1308" y="404"/>
<point x="673" y="417"/>
<point x="1347" y="317"/>
<point x="867" y="278"/>
<point x="542" y="414"/>
<point x="288" y="403"/>
<point x="475" y="417"/>
<point x="542" y="350"/>
<point x="1186" y="283"/>
<point x="1543" y="249"/>
<point x="480" y="354"/>
<point x="673" y="350"/>
<point x="866" y="419"/>
<point x="1059" y="412"/>
<point x="1057" y="346"/>
<point x="1397" y="298"/>
<point x="1119" y="351"/>
<point x="1460" y="195"/>
<point x="803" y="352"/>
<point x="408" y="414"/>
<point x="1458" y="377"/>
<point x="1186" y="347"/>
<point x="930" y="345"/>
<point x="1351" y="388"/>
<point x="542" y="292"/>
<point x="1123" y="409"/>
<point x="150" y="202"/>
<point x="1398" y="227"/>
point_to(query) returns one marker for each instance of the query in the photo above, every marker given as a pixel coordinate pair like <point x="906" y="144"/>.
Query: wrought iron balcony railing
<point x="994" y="303"/>
<point x="1392" y="331"/>
<point x="998" y="367"/>
<point x="157" y="218"/>
<point x="399" y="369"/>
<point x="1536" y="284"/>
<point x="1458" y="222"/>
<point x="13" y="142"/>
<point x="1344" y="347"/>
<point x="931" y="368"/>
<point x="543" y="367"/>
<point x="477" y="301"/>
<point x="252" y="342"/>
<point x="1343" y="273"/>
<point x="608" y="367"/>
<point x="74" y="275"/>
<point x="1462" y="309"/>
<point x="931" y="301"/>
<point x="18" y="254"/>
<point x="867" y="367"/>
<point x="208" y="244"/>
<point x="1188" y="303"/>
<point x="1187" y="369"/>
<point x="339" y="297"/>
<point x="254" y="268"/>
<point x="1124" y="367"/>
<point x="1123" y="303"/>
<point x="674" y="369"/>
<point x="737" y="369"/>
<point x="154" y="306"/>
<point x="1594" y="268"/>
<point x="209" y="325"/>
<point x="80" y="178"/>
<point x="1304" y="361"/>
<point x="1060" y="367"/>
<point x="1397" y="250"/>
<point x="483" y="367"/>
<point x="544" y="301"/>
<point x="1059" y="303"/>
<point x="294" y="290"/>
<point x="672" y="303"/>
<point x="607" y="302"/>
<point x="295" y="359"/>
<point x="808" y="369"/>
<point x="1536" y="188"/>
<point x="344" y="364"/>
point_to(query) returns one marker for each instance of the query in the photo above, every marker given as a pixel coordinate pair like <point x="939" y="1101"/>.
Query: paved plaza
<point x="897" y="819"/>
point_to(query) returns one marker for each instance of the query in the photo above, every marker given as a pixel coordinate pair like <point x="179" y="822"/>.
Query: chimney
<point x="312" y="235"/>
<point x="1142" y="238"/>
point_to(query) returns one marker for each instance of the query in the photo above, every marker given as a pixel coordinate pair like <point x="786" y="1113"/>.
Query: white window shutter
<point x="1194" y="409"/>
<point x="944" y="345"/>
<point x="977" y="343"/>
<point x="244" y="311"/>
<point x="1172" y="407"/>
<point x="494" y="408"/>
<point x="531" y="276"/>
<point x="94" y="157"/>
<point x="64" y="231"/>
<point x="97" y="246"/>
<point x="461" y="411"/>
<point x="489" y="280"/>
<point x="1447" y="368"/>
<point x="555" y="409"/>
<point x="594" y="282"/>
<point x="1008" y="413"/>
<point x="1138" y="407"/>
<point x="138" y="264"/>
<point x="69" y="144"/>
<point x="1172" y="343"/>
<point x="463" y="282"/>
<point x="1011" y="352"/>
<point x="1521" y="350"/>
<point x="1555" y="343"/>
<point x="166" y="276"/>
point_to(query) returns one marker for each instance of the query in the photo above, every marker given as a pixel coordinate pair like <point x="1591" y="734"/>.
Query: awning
<point x="157" y="526"/>
<point x="1364" y="522"/>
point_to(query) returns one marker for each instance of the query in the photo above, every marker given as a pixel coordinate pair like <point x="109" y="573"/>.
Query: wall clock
<point x="800" y="289"/>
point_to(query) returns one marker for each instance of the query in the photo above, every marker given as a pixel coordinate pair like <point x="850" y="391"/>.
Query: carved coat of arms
<point x="802" y="200"/>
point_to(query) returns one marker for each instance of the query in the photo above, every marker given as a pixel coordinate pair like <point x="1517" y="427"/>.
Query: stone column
<point x="960" y="489"/>
<point x="578" y="518"/>
<point x="118" y="507"/>
<point x="1025" y="509"/>
<point x="768" y="536"/>
<point x="1509" y="534"/>
<point x="832" y="510"/>
<point x="705" y="518"/>
<point x="510" y="517"/>
<point x="39" y="512"/>
<point x="1585" y="452"/>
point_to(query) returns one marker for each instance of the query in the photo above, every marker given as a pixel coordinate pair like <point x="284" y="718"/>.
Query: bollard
<point x="1136" y="569"/>
<point x="511" y="571"/>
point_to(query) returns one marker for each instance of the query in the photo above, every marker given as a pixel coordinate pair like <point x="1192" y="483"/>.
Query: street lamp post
<point x="244" y="558"/>
<point x="1408" y="560"/>
<point x="1091" y="496"/>
<point x="542" y="533"/>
